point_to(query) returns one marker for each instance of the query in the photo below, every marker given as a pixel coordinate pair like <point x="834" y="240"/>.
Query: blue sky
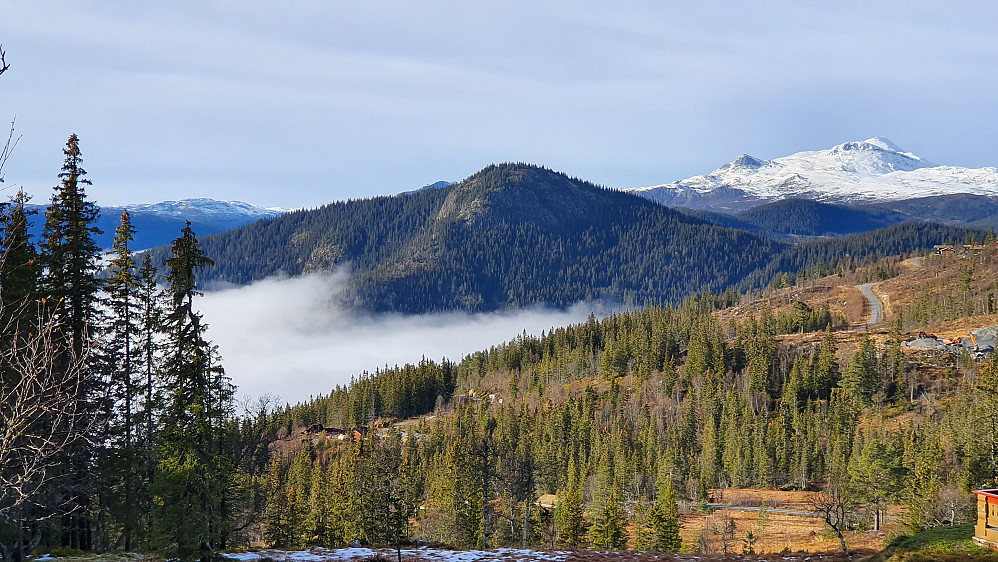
<point x="299" y="103"/>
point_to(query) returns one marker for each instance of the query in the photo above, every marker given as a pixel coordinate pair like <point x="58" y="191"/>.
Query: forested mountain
<point x="794" y="220"/>
<point x="806" y="218"/>
<point x="511" y="235"/>
<point x="965" y="209"/>
<point x="515" y="235"/>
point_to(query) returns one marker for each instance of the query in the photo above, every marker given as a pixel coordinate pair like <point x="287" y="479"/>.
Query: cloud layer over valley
<point x="284" y="337"/>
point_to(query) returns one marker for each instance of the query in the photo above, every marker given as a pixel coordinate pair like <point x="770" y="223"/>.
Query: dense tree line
<point x="803" y="217"/>
<point x="515" y="235"/>
<point x="511" y="235"/>
<point x="824" y="257"/>
<point x="117" y="416"/>
<point x="612" y="414"/>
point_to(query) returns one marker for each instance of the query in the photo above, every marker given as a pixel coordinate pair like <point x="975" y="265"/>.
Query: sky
<point x="293" y="104"/>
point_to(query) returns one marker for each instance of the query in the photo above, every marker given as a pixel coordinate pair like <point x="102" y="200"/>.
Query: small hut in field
<point x="986" y="530"/>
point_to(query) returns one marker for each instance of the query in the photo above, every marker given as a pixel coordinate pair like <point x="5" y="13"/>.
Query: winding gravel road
<point x="876" y="307"/>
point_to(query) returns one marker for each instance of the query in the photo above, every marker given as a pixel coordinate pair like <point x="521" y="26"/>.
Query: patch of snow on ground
<point x="423" y="553"/>
<point x="426" y="554"/>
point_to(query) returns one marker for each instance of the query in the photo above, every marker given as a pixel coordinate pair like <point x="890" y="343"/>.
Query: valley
<point x="602" y="336"/>
<point x="767" y="403"/>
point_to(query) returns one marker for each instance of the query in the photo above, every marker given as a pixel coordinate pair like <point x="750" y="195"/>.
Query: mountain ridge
<point x="159" y="223"/>
<point x="872" y="171"/>
<point x="516" y="235"/>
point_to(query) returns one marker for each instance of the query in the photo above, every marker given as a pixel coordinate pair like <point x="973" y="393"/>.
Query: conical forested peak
<point x="514" y="193"/>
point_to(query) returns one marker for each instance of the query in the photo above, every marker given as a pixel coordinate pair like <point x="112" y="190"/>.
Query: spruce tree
<point x="194" y="475"/>
<point x="150" y="309"/>
<point x="69" y="252"/>
<point x="664" y="517"/>
<point x="70" y="286"/>
<point x="121" y="353"/>
<point x="607" y="532"/>
<point x="19" y="268"/>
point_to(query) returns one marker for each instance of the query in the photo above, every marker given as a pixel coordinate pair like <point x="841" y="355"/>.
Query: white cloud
<point x="283" y="336"/>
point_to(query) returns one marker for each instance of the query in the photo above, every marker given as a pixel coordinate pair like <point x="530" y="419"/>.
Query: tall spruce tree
<point x="608" y="531"/>
<point x="69" y="252"/>
<point x="19" y="268"/>
<point x="194" y="475"/>
<point x="664" y="517"/>
<point x="151" y="312"/>
<point x="121" y="351"/>
<point x="70" y="256"/>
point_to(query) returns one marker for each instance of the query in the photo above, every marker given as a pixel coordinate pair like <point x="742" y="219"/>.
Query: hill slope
<point x="802" y="217"/>
<point x="511" y="235"/>
<point x="515" y="235"/>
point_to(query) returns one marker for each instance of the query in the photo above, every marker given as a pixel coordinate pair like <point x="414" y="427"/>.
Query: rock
<point x="927" y="343"/>
<point x="986" y="337"/>
<point x="355" y="543"/>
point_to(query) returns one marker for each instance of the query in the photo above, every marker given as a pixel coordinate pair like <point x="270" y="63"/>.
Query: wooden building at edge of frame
<point x="986" y="530"/>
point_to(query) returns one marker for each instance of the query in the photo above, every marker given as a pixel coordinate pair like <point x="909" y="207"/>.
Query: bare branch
<point x="8" y="147"/>
<point x="41" y="415"/>
<point x="3" y="60"/>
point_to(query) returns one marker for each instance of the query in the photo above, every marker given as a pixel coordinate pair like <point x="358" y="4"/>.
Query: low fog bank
<point x="283" y="337"/>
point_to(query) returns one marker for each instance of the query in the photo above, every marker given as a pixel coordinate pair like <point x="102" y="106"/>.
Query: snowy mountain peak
<point x="875" y="169"/>
<point x="745" y="161"/>
<point x="883" y="143"/>
<point x="203" y="207"/>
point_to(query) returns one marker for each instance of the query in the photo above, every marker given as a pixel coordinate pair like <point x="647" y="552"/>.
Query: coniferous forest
<point x="120" y="432"/>
<point x="518" y="235"/>
<point x="115" y="413"/>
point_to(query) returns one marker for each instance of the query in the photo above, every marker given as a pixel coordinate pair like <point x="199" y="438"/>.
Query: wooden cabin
<point x="547" y="502"/>
<point x="986" y="530"/>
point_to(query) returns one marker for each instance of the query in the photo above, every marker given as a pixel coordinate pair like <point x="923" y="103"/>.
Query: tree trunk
<point x="526" y="520"/>
<point x="842" y="541"/>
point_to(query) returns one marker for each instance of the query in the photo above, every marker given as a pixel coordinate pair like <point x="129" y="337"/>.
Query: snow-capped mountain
<point x="203" y="209"/>
<point x="870" y="171"/>
<point x="159" y="223"/>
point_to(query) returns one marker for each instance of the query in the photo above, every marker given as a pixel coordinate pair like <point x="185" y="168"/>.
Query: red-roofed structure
<point x="986" y="530"/>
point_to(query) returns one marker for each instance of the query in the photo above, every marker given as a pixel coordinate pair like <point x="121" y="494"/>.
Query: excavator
<point x="959" y="337"/>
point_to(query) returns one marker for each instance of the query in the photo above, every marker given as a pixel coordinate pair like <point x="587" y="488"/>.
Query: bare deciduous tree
<point x="837" y="511"/>
<point x="8" y="147"/>
<point x="40" y="418"/>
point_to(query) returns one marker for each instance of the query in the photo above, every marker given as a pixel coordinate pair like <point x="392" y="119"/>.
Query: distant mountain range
<point x="517" y="235"/>
<point x="159" y="223"/>
<point x="874" y="171"/>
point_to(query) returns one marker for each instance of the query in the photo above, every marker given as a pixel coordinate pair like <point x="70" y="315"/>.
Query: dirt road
<point x="876" y="307"/>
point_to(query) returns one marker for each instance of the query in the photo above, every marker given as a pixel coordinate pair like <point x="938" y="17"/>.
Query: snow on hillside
<point x="204" y="208"/>
<point x="872" y="170"/>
